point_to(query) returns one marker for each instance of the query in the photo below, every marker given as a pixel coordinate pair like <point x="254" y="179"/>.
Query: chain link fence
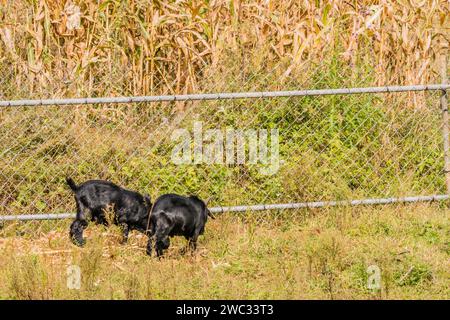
<point x="330" y="147"/>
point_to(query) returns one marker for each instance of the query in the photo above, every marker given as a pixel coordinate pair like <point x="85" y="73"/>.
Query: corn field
<point x="159" y="47"/>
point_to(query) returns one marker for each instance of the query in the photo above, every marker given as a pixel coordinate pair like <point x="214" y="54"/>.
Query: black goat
<point x="174" y="215"/>
<point x="130" y="208"/>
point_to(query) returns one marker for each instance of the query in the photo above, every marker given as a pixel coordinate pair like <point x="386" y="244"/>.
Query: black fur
<point x="175" y="215"/>
<point x="131" y="209"/>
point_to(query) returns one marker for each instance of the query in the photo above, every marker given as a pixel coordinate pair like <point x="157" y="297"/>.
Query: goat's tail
<point x="71" y="184"/>
<point x="211" y="215"/>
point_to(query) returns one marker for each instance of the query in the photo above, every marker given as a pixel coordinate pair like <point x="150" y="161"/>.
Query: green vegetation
<point x="305" y="254"/>
<point x="332" y="147"/>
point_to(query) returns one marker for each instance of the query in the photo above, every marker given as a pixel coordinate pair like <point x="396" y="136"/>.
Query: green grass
<point x="304" y="254"/>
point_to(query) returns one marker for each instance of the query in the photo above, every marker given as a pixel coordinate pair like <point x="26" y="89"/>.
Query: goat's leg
<point x="78" y="225"/>
<point x="192" y="244"/>
<point x="98" y="215"/>
<point x="120" y="218"/>
<point x="192" y="241"/>
<point x="76" y="232"/>
<point x="149" y="245"/>
<point x="185" y="249"/>
<point x="125" y="231"/>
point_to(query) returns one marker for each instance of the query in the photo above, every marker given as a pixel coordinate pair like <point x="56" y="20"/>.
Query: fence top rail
<point x="222" y="96"/>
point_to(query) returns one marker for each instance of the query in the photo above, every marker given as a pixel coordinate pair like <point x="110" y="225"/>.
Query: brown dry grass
<point x="318" y="254"/>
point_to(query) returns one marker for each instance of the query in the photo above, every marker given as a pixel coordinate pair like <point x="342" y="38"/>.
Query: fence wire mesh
<point x="337" y="147"/>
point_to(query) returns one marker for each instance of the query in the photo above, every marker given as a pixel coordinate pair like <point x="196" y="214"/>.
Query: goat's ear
<point x="147" y="199"/>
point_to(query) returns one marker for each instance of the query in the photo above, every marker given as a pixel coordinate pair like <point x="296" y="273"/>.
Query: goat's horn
<point x="207" y="200"/>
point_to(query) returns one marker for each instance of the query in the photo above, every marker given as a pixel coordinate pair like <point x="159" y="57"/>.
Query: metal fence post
<point x="445" y="124"/>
